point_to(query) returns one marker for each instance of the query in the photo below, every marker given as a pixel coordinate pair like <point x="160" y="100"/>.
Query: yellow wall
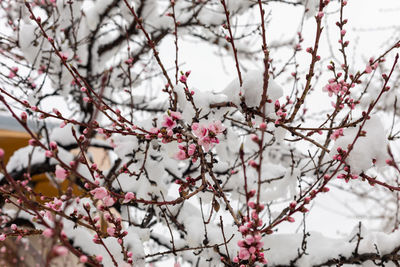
<point x="13" y="140"/>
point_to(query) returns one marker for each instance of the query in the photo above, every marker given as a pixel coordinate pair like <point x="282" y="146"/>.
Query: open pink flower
<point x="199" y="130"/>
<point x="181" y="155"/>
<point x="99" y="193"/>
<point x="336" y="134"/>
<point x="244" y="254"/>
<point x="108" y="201"/>
<point x="111" y="231"/>
<point x="128" y="197"/>
<point x="216" y="127"/>
<point x="168" y="123"/>
<point x="206" y="142"/>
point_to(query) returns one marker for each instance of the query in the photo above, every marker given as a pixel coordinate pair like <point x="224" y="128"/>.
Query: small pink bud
<point x="183" y="79"/>
<point x="254" y="138"/>
<point x="111" y="231"/>
<point x="252" y="205"/>
<point x="83" y="259"/>
<point x="2" y="237"/>
<point x="253" y="164"/>
<point x="53" y="145"/>
<point x="99" y="258"/>
<point x="60" y="250"/>
<point x="47" y="232"/>
<point x="24" y="116"/>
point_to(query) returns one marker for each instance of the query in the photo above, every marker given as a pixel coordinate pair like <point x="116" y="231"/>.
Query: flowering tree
<point x="202" y="177"/>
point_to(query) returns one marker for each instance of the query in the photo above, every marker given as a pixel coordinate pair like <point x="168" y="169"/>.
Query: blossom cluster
<point x="207" y="136"/>
<point x="251" y="246"/>
<point x="101" y="193"/>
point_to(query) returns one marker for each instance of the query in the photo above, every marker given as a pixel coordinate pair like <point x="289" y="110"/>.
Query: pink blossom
<point x="242" y="228"/>
<point x="199" y="130"/>
<point x="263" y="126"/>
<point x="206" y="143"/>
<point x="11" y="74"/>
<point x="244" y="254"/>
<point x="252" y="250"/>
<point x="99" y="193"/>
<point x="254" y="138"/>
<point x="249" y="239"/>
<point x="252" y="205"/>
<point x="83" y="258"/>
<point x="48" y="232"/>
<point x="192" y="149"/>
<point x="332" y="88"/>
<point x="183" y="79"/>
<point x="1" y="153"/>
<point x="128" y="197"/>
<point x="195" y="126"/>
<point x="61" y="173"/>
<point x="56" y="204"/>
<point x="175" y="115"/>
<point x="63" y="56"/>
<point x="260" y="244"/>
<point x="336" y="134"/>
<point x="216" y="127"/>
<point x="111" y="231"/>
<point x="169" y="123"/>
<point x="154" y="130"/>
<point x="181" y="155"/>
<point x="60" y="250"/>
<point x="2" y="237"/>
<point x="108" y="201"/>
<point x="24" y="116"/>
<point x="53" y="145"/>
